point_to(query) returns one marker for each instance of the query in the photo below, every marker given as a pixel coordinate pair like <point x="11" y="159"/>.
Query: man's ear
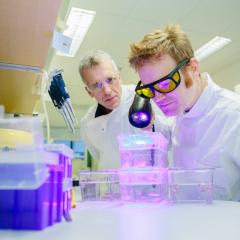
<point x="194" y="65"/>
<point x="119" y="77"/>
<point x="89" y="93"/>
<point x="193" y="72"/>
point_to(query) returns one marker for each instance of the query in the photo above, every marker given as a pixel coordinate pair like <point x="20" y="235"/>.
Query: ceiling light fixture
<point x="211" y="47"/>
<point x="78" y="22"/>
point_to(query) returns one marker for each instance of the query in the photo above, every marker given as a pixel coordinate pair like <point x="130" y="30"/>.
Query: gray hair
<point x="94" y="58"/>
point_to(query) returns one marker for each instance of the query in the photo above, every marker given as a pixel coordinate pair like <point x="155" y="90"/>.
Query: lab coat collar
<point x="204" y="101"/>
<point x="125" y="96"/>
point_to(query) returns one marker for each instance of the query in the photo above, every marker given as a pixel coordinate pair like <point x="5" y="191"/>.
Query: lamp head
<point x="140" y="112"/>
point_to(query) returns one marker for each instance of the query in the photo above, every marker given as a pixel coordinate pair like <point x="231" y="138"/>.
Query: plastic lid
<point x="22" y="169"/>
<point x="145" y="140"/>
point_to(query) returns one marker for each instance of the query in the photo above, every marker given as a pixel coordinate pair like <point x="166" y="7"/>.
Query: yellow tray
<point x="12" y="137"/>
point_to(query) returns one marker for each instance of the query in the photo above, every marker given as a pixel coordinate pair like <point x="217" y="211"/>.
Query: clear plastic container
<point x="191" y="185"/>
<point x="99" y="185"/>
<point x="20" y="130"/>
<point x="31" y="188"/>
<point x="144" y="184"/>
<point x="148" y="149"/>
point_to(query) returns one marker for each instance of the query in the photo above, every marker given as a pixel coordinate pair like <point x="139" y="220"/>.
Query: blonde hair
<point x="171" y="40"/>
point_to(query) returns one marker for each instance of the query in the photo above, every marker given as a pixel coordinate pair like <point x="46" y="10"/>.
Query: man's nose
<point x="158" y="95"/>
<point x="106" y="88"/>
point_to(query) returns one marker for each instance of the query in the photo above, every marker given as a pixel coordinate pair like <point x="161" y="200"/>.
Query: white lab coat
<point x="100" y="134"/>
<point x="209" y="136"/>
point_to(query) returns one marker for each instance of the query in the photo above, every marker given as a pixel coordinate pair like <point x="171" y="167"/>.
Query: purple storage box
<point x="56" y="194"/>
<point x="25" y="209"/>
<point x="65" y="158"/>
<point x="32" y="200"/>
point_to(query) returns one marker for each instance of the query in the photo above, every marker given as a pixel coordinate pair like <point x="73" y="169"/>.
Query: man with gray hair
<point x="109" y="116"/>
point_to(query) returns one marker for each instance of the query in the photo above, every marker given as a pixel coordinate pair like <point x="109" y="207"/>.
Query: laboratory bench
<point x="119" y="221"/>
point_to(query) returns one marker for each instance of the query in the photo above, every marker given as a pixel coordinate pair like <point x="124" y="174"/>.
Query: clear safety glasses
<point x="98" y="86"/>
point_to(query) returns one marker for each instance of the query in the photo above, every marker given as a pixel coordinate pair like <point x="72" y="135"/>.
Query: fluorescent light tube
<point x="78" y="22"/>
<point x="211" y="47"/>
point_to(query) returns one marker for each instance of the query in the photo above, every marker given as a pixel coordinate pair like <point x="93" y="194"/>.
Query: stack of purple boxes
<point x="35" y="187"/>
<point x="65" y="159"/>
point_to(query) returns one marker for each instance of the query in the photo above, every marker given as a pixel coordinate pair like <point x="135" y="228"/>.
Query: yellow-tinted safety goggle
<point x="164" y="85"/>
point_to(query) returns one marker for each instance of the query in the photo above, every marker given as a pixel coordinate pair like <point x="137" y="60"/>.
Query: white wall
<point x="228" y="77"/>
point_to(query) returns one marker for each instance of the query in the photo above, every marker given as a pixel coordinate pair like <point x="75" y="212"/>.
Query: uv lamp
<point x="140" y="112"/>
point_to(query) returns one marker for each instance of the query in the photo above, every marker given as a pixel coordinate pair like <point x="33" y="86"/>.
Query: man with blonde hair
<point x="207" y="129"/>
